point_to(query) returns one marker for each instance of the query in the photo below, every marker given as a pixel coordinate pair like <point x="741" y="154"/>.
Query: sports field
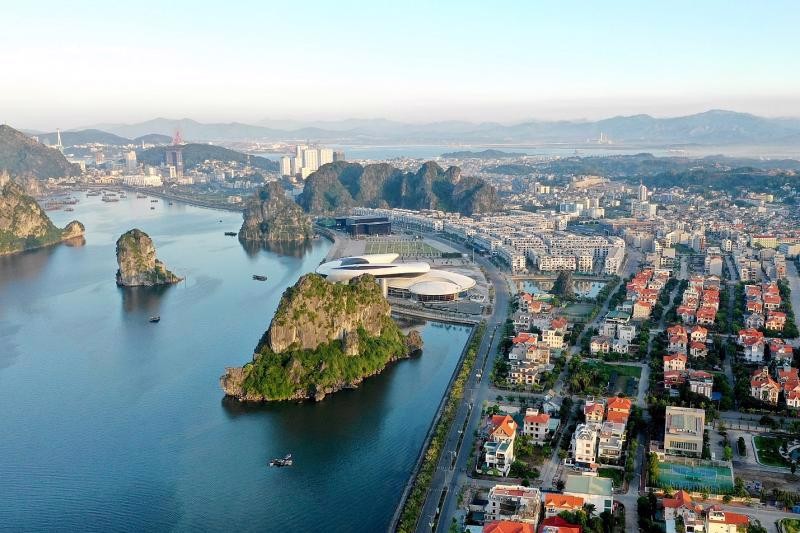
<point x="406" y="248"/>
<point x="714" y="479"/>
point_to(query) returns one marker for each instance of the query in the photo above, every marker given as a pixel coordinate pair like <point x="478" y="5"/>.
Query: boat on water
<point x="286" y="461"/>
<point x="153" y="208"/>
<point x="69" y="209"/>
<point x="141" y="196"/>
<point x="259" y="278"/>
<point x="231" y="233"/>
<point x="154" y="200"/>
<point x="155" y="319"/>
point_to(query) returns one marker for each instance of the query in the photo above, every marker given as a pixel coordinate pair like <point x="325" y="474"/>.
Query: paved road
<point x="794" y="284"/>
<point x="450" y="472"/>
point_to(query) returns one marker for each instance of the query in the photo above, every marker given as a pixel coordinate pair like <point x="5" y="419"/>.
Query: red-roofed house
<point x="698" y="349"/>
<point x="725" y="521"/>
<point x="780" y="352"/>
<point x="555" y="503"/>
<point x="776" y="320"/>
<point x="698" y="334"/>
<point x="536" y="425"/>
<point x="556" y="524"/>
<point x="616" y="404"/>
<point x="686" y="313"/>
<point x="675" y="361"/>
<point x="754" y="306"/>
<point x="508" y="526"/>
<point x="593" y="411"/>
<point x="763" y="387"/>
<point x="772" y="301"/>
<point x="705" y="316"/>
<point x="682" y="505"/>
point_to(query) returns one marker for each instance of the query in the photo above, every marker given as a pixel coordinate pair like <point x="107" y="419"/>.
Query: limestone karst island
<point x="324" y="337"/>
<point x="269" y="216"/>
<point x="138" y="265"/>
<point x="23" y="223"/>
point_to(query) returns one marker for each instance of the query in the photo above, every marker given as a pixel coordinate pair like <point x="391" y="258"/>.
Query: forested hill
<point x="22" y="156"/>
<point x="339" y="186"/>
<point x="194" y="154"/>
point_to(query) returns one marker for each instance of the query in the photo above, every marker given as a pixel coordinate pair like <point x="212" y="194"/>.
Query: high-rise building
<point x="338" y="156"/>
<point x="130" y="161"/>
<point x="297" y="165"/>
<point x="325" y="156"/>
<point x="642" y="192"/>
<point x="311" y="159"/>
<point x="174" y="158"/>
<point x="298" y="151"/>
<point x="286" y="166"/>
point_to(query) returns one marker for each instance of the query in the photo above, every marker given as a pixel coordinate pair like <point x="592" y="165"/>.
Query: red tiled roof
<point x="558" y="522"/>
<point x="507" y="526"/>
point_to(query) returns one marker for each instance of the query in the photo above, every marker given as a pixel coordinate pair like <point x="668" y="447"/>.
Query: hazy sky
<point x="72" y="63"/>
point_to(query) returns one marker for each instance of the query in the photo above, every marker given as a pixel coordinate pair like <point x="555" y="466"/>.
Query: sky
<point x="75" y="63"/>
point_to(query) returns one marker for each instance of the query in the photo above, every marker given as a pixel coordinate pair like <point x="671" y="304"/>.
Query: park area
<point x="403" y="247"/>
<point x="768" y="450"/>
<point x="597" y="378"/>
<point x="709" y="478"/>
<point x="791" y="525"/>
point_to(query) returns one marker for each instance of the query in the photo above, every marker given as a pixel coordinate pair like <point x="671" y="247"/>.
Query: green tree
<point x="653" y="468"/>
<point x="727" y="453"/>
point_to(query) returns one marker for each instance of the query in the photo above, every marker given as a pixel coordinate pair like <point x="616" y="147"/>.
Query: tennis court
<point x="714" y="479"/>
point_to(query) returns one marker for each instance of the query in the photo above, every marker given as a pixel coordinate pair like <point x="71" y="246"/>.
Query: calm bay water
<point x="112" y="423"/>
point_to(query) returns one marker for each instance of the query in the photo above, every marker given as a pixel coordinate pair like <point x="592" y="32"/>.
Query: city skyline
<point x="449" y="61"/>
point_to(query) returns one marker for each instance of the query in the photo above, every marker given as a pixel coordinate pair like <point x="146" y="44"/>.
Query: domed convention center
<point x="416" y="280"/>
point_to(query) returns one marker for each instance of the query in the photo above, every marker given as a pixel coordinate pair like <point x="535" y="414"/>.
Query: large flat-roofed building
<point x="411" y="280"/>
<point x="683" y="431"/>
<point x="364" y="225"/>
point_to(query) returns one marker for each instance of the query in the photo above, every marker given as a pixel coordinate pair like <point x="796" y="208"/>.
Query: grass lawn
<point x="791" y="525"/>
<point x="578" y="309"/>
<point x="623" y="370"/>
<point x="402" y="247"/>
<point x="767" y="449"/>
<point x="613" y="474"/>
<point x="626" y="380"/>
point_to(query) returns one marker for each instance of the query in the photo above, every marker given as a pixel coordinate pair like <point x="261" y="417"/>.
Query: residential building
<point x="556" y="524"/>
<point x="682" y="505"/>
<point x="701" y="382"/>
<point x="593" y="490"/>
<point x="675" y="361"/>
<point x="536" y="425"/>
<point x="763" y="387"/>
<point x="555" y="503"/>
<point x="683" y="431"/>
<point x="508" y="526"/>
<point x="584" y="444"/>
<point x="612" y="440"/>
<point x="499" y="448"/>
<point x="513" y="502"/>
<point x="593" y="411"/>
<point x="718" y="521"/>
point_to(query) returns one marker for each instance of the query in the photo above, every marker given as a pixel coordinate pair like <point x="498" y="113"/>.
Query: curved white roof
<point x="416" y="277"/>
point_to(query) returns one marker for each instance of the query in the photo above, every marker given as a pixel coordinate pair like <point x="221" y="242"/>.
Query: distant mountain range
<point x="92" y="136"/>
<point x="714" y="127"/>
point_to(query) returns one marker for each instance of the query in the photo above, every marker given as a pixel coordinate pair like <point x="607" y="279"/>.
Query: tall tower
<point x="58" y="146"/>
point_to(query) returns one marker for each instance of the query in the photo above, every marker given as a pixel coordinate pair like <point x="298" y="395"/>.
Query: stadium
<point x="415" y="280"/>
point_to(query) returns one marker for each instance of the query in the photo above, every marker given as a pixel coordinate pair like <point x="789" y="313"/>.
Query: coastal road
<point x="451" y="468"/>
<point x="794" y="284"/>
